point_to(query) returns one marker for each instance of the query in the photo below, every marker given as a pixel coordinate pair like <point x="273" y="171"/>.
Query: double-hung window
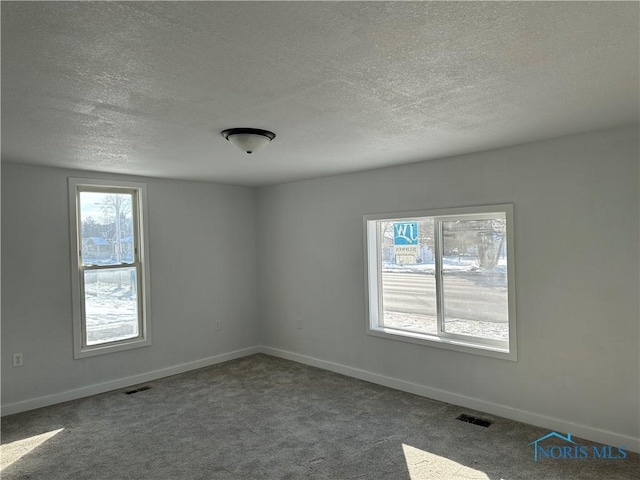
<point x="110" y="271"/>
<point x="443" y="278"/>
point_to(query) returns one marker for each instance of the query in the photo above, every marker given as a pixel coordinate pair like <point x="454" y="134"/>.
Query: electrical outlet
<point x="218" y="325"/>
<point x="18" y="361"/>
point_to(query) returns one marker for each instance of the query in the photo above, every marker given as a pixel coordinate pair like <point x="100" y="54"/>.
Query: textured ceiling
<point x="146" y="87"/>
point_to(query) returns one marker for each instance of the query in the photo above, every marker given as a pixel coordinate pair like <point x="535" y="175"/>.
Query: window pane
<point x="475" y="277"/>
<point x="111" y="305"/>
<point x="408" y="275"/>
<point x="106" y="228"/>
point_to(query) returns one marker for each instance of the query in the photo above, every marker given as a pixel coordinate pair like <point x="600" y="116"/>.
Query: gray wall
<point x="203" y="268"/>
<point x="576" y="253"/>
<point x="298" y="249"/>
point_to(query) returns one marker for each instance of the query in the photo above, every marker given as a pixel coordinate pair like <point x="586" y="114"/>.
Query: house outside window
<point x="110" y="268"/>
<point x="443" y="278"/>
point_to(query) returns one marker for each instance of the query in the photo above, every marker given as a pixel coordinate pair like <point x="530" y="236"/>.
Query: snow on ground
<point x="427" y="324"/>
<point x="111" y="312"/>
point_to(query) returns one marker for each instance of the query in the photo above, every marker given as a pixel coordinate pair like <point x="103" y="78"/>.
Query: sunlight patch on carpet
<point x="14" y="451"/>
<point x="424" y="465"/>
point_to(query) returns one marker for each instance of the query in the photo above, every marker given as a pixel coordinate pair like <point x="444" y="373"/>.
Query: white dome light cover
<point x="248" y="140"/>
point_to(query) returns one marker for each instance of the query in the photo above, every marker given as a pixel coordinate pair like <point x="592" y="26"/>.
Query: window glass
<point x="111" y="305"/>
<point x="443" y="278"/>
<point x="408" y="275"/>
<point x="474" y="280"/>
<point x="106" y="227"/>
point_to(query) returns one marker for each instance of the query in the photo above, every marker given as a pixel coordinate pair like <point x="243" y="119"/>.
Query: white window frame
<point x="141" y="251"/>
<point x="373" y="281"/>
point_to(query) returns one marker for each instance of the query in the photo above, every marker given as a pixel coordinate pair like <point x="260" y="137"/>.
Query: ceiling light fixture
<point x="248" y="139"/>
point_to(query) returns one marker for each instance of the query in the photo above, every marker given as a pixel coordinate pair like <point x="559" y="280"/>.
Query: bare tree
<point x="115" y="209"/>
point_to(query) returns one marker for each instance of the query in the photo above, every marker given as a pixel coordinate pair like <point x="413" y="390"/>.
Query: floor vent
<point x="141" y="389"/>
<point x="475" y="420"/>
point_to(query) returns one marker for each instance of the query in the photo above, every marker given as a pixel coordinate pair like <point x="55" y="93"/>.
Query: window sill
<point x="458" y="345"/>
<point x="103" y="349"/>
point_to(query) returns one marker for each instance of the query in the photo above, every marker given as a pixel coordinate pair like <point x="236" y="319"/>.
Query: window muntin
<point x="443" y="278"/>
<point x="110" y="272"/>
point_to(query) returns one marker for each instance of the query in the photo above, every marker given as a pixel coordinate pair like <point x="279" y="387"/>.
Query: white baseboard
<point x="556" y="424"/>
<point x="74" y="394"/>
<point x="577" y="430"/>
